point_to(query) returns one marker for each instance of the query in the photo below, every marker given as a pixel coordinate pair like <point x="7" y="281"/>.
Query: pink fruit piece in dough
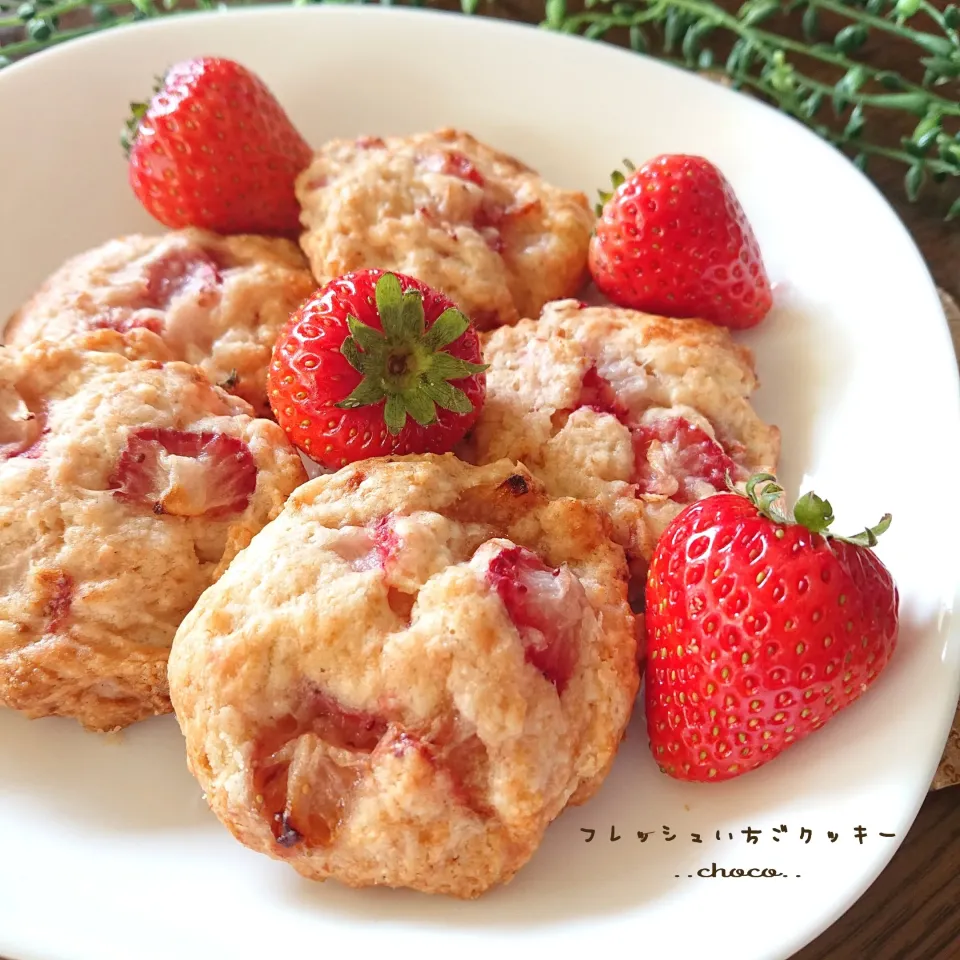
<point x="546" y="606"/>
<point x="303" y="786"/>
<point x="123" y="321"/>
<point x="454" y="164"/>
<point x="185" y="474"/>
<point x="598" y="394"/>
<point x="166" y="278"/>
<point x="170" y="275"/>
<point x="368" y="548"/>
<point x="674" y="458"/>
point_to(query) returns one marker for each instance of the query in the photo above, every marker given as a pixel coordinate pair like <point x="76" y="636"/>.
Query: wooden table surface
<point x="912" y="911"/>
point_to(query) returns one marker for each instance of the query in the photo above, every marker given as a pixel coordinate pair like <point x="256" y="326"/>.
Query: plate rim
<point x="37" y="62"/>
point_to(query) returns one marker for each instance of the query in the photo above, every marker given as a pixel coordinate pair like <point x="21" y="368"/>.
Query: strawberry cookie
<point x="476" y="224"/>
<point x="217" y="302"/>
<point x="409" y="674"/>
<point x="643" y="413"/>
<point x="126" y="486"/>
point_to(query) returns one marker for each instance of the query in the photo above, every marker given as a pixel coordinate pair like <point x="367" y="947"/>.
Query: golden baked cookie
<point x="453" y="212"/>
<point x="409" y="673"/>
<point x="217" y="302"/>
<point x="642" y="414"/>
<point x="126" y="486"/>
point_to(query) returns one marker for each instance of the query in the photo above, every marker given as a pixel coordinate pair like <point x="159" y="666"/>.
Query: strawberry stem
<point x="810" y="510"/>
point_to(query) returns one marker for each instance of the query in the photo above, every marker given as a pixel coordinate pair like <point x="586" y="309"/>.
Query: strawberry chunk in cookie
<point x="640" y="413"/>
<point x="464" y="218"/>
<point x="185" y="474"/>
<point x="328" y="725"/>
<point x="126" y="487"/>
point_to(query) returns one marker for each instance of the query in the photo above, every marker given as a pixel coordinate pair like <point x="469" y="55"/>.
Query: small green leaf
<point x="638" y="39"/>
<point x="26" y="11"/>
<point x="954" y="210"/>
<point x="394" y="413"/>
<point x="855" y="123"/>
<point x="876" y="7"/>
<point x="868" y="538"/>
<point x="469" y="6"/>
<point x="39" y="30"/>
<point x="367" y="391"/>
<point x="411" y="315"/>
<point x="942" y="68"/>
<point x="693" y="40"/>
<point x="811" y="105"/>
<point x="951" y="16"/>
<point x="673" y="29"/>
<point x="905" y="9"/>
<point x="860" y="162"/>
<point x="705" y="59"/>
<point x="811" y="23"/>
<point x="447" y="396"/>
<point x="556" y="13"/>
<point x="443" y="366"/>
<point x="840" y="100"/>
<point x="890" y="80"/>
<point x="420" y="407"/>
<point x="599" y="28"/>
<point x="368" y="339"/>
<point x="851" y="38"/>
<point x="813" y="512"/>
<point x="448" y="327"/>
<point x="949" y="151"/>
<point x="733" y="58"/>
<point x="913" y="181"/>
<point x="937" y="46"/>
<point x="913" y="102"/>
<point x="352" y="354"/>
<point x="757" y="11"/>
<point x="926" y="140"/>
<point x="389" y="298"/>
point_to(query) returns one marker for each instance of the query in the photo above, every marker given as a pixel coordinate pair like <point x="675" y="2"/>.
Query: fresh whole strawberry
<point x="761" y="627"/>
<point x="214" y="149"/>
<point x="673" y="240"/>
<point x="374" y="364"/>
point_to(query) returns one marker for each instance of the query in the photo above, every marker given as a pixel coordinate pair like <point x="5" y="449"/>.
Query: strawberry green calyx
<point x="132" y="127"/>
<point x="406" y="365"/>
<point x="810" y="511"/>
<point x="138" y="110"/>
<point x="616" y="178"/>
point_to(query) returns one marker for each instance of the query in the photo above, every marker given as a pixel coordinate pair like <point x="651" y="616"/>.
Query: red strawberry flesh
<point x="292" y="754"/>
<point x="675" y="458"/>
<point x="546" y="606"/>
<point x="185" y="474"/>
<point x="454" y="164"/>
<point x="178" y="270"/>
<point x="598" y="394"/>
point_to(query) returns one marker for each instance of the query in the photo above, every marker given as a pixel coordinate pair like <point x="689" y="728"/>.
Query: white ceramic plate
<point x="107" y="851"/>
